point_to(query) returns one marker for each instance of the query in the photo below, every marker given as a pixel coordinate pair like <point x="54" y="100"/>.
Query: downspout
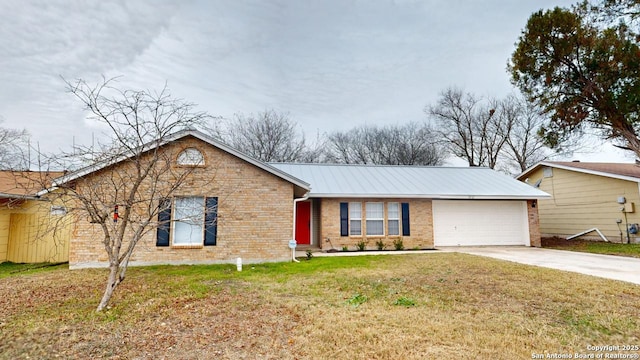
<point x="295" y="203"/>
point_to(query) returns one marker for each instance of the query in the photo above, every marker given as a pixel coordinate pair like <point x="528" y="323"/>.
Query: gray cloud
<point x="331" y="64"/>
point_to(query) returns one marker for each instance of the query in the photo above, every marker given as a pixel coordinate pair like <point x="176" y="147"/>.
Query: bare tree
<point x="524" y="146"/>
<point x="267" y="136"/>
<point x="14" y="148"/>
<point x="471" y="129"/>
<point x="131" y="176"/>
<point x="408" y="144"/>
<point x="501" y="134"/>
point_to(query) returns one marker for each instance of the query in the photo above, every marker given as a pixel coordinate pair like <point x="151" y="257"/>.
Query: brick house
<point x="426" y="207"/>
<point x="231" y="205"/>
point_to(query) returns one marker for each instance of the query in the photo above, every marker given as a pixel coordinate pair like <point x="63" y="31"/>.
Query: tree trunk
<point x="112" y="282"/>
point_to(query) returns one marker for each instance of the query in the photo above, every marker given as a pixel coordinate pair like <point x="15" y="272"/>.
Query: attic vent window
<point x="547" y="172"/>
<point x="191" y="157"/>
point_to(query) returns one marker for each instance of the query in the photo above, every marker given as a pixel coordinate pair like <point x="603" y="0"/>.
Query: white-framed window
<point x="191" y="157"/>
<point x="375" y="218"/>
<point x="188" y="221"/>
<point x="393" y="218"/>
<point x="355" y="218"/>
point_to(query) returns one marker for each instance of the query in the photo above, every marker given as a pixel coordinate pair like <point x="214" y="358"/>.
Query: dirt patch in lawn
<point x="556" y="241"/>
<point x="590" y="246"/>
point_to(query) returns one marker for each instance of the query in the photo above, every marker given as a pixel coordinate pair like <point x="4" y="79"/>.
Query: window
<point x="375" y="218"/>
<point x="397" y="219"/>
<point x="190" y="216"/>
<point x="355" y="218"/>
<point x="188" y="221"/>
<point x="393" y="218"/>
<point x="191" y="157"/>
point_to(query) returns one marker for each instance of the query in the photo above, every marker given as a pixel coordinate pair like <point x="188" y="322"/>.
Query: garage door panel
<point x="476" y="223"/>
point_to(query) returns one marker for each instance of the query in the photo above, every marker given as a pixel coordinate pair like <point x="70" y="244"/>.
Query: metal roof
<point x="377" y="181"/>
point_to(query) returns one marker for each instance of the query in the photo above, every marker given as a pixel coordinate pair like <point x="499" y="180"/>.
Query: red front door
<point x="303" y="222"/>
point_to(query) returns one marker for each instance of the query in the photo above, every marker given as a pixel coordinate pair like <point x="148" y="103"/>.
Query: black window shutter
<point x="211" y="221"/>
<point x="344" y="219"/>
<point x="164" y="223"/>
<point x="406" y="231"/>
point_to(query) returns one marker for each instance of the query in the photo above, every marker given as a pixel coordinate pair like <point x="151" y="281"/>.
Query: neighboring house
<point x="425" y="207"/>
<point x="239" y="207"/>
<point x="585" y="196"/>
<point x="31" y="230"/>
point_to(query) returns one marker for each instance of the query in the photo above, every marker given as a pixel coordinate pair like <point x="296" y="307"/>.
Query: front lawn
<point x="418" y="306"/>
<point x="595" y="247"/>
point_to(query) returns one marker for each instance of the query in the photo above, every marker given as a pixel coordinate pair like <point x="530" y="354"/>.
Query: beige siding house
<point x="585" y="196"/>
<point x="31" y="230"/>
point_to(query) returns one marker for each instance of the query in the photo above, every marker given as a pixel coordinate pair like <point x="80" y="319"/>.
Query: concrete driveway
<point x="605" y="266"/>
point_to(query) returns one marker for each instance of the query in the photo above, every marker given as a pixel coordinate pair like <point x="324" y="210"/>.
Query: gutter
<point x="295" y="203"/>
<point x="21" y="197"/>
<point x="432" y="196"/>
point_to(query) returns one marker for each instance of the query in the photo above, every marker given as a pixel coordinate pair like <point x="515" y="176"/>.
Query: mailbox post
<point x="292" y="246"/>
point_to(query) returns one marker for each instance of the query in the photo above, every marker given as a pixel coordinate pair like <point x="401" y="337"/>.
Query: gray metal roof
<point x="376" y="181"/>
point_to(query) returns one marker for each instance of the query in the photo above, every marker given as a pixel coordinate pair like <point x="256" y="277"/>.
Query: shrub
<point x="398" y="244"/>
<point x="380" y="245"/>
<point x="361" y="245"/>
<point x="345" y="248"/>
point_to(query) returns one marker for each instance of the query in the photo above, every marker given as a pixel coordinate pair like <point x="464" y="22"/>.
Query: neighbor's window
<point x="57" y="210"/>
<point x="393" y="218"/>
<point x="188" y="221"/>
<point x="355" y="218"/>
<point x="190" y="157"/>
<point x="375" y="218"/>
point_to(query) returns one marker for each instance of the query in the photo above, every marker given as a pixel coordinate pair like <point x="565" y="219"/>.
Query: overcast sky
<point x="331" y="65"/>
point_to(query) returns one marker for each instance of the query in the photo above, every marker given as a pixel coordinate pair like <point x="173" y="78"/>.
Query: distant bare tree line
<point x="274" y="137"/>
<point x="497" y="133"/>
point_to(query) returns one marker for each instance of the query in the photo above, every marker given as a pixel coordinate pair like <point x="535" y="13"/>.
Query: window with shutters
<point x="396" y="219"/>
<point x="188" y="221"/>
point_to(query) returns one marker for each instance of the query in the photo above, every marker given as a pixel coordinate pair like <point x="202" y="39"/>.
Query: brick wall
<point x="534" y="223"/>
<point x="255" y="213"/>
<point x="420" y="221"/>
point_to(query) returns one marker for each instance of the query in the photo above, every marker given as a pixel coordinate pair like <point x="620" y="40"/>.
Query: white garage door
<point x="478" y="222"/>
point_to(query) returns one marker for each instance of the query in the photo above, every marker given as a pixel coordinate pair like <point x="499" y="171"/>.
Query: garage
<point x="480" y="222"/>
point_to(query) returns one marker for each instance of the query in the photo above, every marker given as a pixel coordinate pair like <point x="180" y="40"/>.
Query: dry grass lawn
<point x="440" y="305"/>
